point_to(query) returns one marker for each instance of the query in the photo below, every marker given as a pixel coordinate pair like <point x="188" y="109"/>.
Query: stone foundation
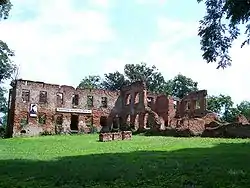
<point x="104" y="137"/>
<point x="126" y="135"/>
<point x="117" y="136"/>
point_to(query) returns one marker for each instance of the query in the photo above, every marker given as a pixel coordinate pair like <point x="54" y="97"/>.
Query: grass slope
<point x="81" y="161"/>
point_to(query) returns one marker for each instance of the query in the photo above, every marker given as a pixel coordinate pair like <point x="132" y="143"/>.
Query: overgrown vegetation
<point x="221" y="26"/>
<point x="82" y="161"/>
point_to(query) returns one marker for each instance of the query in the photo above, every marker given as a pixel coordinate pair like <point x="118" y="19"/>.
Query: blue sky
<point x="62" y="41"/>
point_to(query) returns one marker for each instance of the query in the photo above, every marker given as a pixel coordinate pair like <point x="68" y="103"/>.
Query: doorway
<point x="74" y="122"/>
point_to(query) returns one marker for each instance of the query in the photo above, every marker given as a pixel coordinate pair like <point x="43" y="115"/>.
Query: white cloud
<point x="45" y="44"/>
<point x="170" y="60"/>
<point x="168" y="56"/>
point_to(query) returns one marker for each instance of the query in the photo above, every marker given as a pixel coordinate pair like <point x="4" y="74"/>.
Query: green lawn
<point x="81" y="161"/>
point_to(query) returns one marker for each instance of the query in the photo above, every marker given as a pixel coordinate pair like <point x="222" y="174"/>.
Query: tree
<point x="222" y="105"/>
<point x="244" y="108"/>
<point x="231" y="115"/>
<point x="6" y="65"/>
<point x="90" y="82"/>
<point x="114" y="81"/>
<point x="3" y="101"/>
<point x="3" y="108"/>
<point x="7" y="68"/>
<point x="154" y="80"/>
<point x="5" y="6"/>
<point x="220" y="27"/>
<point x="181" y="85"/>
<point x="219" y="104"/>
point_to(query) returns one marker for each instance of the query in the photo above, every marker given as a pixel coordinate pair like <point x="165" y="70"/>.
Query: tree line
<point x="179" y="86"/>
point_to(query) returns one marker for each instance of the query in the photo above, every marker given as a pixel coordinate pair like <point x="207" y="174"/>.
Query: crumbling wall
<point x="71" y="98"/>
<point x="142" y="110"/>
<point x="134" y="100"/>
<point x="162" y="107"/>
<point x="242" y="120"/>
<point x="193" y="104"/>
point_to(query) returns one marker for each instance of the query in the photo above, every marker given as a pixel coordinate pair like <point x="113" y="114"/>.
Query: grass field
<point x="81" y="161"/>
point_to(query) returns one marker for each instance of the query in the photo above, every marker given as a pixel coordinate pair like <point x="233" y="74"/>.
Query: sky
<point x="62" y="41"/>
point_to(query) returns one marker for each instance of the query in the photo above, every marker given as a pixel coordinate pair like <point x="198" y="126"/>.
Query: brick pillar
<point x="132" y="120"/>
<point x="141" y="121"/>
<point x="203" y="104"/>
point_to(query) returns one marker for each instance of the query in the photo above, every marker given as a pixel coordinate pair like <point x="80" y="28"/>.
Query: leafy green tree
<point x="5" y="6"/>
<point x="244" y="108"/>
<point x="223" y="105"/>
<point x="154" y="80"/>
<point x="214" y="104"/>
<point x="219" y="104"/>
<point x="90" y="82"/>
<point x="181" y="85"/>
<point x="114" y="81"/>
<point x="231" y="115"/>
<point x="3" y="101"/>
<point x="7" y="67"/>
<point x="220" y="27"/>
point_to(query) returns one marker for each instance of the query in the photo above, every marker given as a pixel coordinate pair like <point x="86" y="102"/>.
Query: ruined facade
<point x="37" y="107"/>
<point x="142" y="110"/>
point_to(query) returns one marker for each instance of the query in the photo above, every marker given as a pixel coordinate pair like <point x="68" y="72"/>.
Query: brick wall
<point x="132" y="105"/>
<point x="21" y="108"/>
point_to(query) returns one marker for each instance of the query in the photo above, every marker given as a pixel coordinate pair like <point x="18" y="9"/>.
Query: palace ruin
<point x="37" y="108"/>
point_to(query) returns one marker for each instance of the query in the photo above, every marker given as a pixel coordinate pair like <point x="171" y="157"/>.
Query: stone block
<point x="117" y="136"/>
<point x="104" y="137"/>
<point x="126" y="135"/>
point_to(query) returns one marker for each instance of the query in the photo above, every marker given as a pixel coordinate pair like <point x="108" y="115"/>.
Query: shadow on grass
<point x="225" y="165"/>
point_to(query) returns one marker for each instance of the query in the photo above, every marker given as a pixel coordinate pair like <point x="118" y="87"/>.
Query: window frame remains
<point x="43" y="97"/>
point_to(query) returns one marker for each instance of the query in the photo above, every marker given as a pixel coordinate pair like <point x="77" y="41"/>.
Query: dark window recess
<point x="59" y="120"/>
<point x="25" y="95"/>
<point x="188" y="106"/>
<point x="75" y="99"/>
<point x="90" y="101"/>
<point x="103" y="121"/>
<point x="42" y="119"/>
<point x="59" y="98"/>
<point x="104" y="102"/>
<point x="43" y="97"/>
